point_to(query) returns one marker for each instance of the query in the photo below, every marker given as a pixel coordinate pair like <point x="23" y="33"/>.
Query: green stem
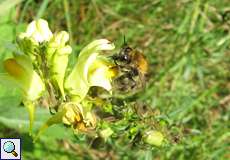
<point x="31" y="109"/>
<point x="68" y="19"/>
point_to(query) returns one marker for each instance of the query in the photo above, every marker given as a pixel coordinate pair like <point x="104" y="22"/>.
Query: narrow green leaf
<point x="57" y="118"/>
<point x="31" y="109"/>
<point x="16" y="117"/>
<point x="42" y="9"/>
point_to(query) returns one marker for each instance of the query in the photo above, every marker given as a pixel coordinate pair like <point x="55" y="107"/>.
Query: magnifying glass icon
<point x="9" y="147"/>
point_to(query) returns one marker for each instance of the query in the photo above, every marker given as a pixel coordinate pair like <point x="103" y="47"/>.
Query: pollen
<point x="113" y="71"/>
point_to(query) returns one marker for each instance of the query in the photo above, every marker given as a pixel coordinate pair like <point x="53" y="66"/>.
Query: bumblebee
<point x="132" y="67"/>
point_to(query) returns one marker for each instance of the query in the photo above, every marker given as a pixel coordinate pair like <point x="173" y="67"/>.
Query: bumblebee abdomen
<point x="141" y="63"/>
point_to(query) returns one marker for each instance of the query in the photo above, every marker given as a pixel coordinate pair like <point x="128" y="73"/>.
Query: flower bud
<point x="57" y="42"/>
<point x="58" y="56"/>
<point x="106" y="133"/>
<point x="39" y="31"/>
<point x="153" y="138"/>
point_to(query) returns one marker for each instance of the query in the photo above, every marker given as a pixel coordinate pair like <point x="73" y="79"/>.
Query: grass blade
<point x="42" y="9"/>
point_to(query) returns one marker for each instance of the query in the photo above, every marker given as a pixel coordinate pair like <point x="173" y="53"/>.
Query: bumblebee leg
<point x="122" y="81"/>
<point x="142" y="80"/>
<point x="115" y="61"/>
<point x="51" y="112"/>
<point x="134" y="83"/>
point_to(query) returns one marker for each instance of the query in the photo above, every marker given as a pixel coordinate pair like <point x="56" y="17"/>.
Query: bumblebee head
<point x="124" y="55"/>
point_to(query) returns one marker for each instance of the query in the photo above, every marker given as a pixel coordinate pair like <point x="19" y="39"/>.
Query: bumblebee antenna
<point x="124" y="43"/>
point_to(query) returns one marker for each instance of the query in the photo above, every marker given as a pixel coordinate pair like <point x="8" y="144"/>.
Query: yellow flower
<point x="57" y="57"/>
<point x="38" y="30"/>
<point x="90" y="70"/>
<point x="19" y="71"/>
<point x="72" y="114"/>
<point x="55" y="50"/>
<point x="77" y="117"/>
<point x="100" y="74"/>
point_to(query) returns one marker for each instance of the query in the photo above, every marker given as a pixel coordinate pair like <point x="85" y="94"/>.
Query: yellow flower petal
<point x="79" y="81"/>
<point x="13" y="68"/>
<point x="39" y="31"/>
<point x="21" y="71"/>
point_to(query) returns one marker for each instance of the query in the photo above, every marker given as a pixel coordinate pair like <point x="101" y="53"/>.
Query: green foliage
<point x="187" y="45"/>
<point x="7" y="5"/>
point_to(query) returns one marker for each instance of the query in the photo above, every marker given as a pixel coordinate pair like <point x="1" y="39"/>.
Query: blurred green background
<point x="187" y="43"/>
